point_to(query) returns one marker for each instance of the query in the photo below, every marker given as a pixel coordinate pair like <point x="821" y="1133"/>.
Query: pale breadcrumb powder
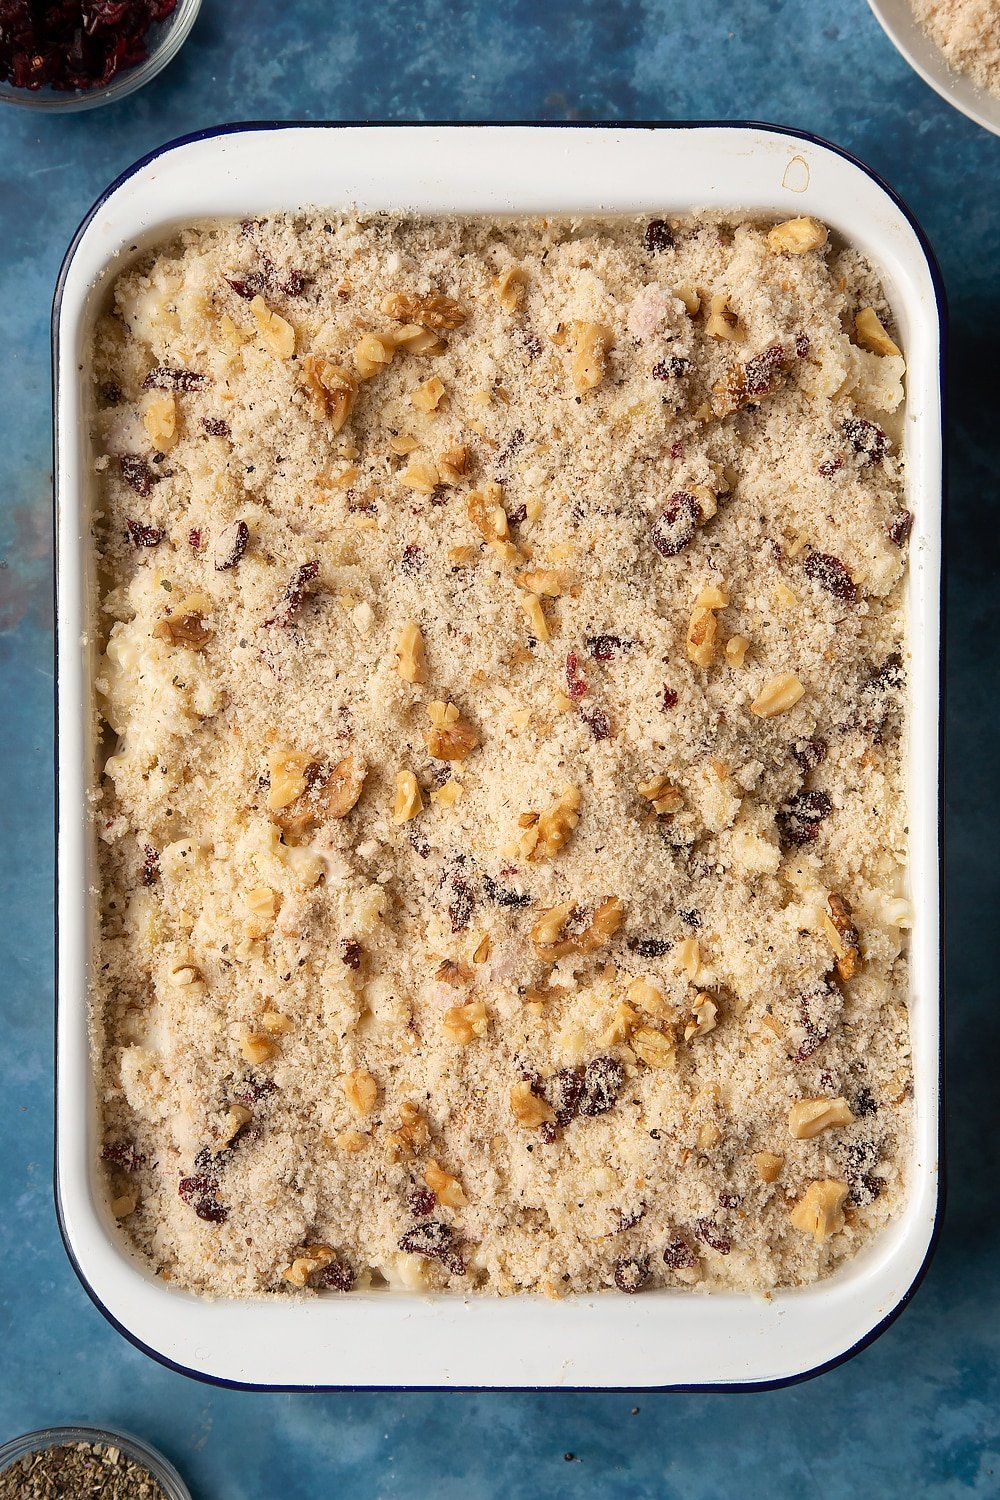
<point x="658" y="574"/>
<point x="968" y="33"/>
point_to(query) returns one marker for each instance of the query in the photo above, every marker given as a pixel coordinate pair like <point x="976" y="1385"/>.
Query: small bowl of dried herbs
<point x="86" y="1461"/>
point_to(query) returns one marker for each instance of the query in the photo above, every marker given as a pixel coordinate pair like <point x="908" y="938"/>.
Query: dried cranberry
<point x="831" y="466"/>
<point x="532" y="344"/>
<point x="436" y="1241"/>
<point x="194" y="538"/>
<point x="504" y="455"/>
<point x="420" y="1201"/>
<point x="293" y="285"/>
<point x="867" y="439"/>
<point x="602" y="1083"/>
<point x="141" y="535"/>
<point x="668" y="699"/>
<point x="831" y="574"/>
<point x="518" y="516"/>
<point x="211" y="1210"/>
<point x="123" y="1155"/>
<point x="808" y="754"/>
<point x="657" y="236"/>
<point x="708" y="1231"/>
<point x="650" y="947"/>
<point x="298" y="586"/>
<point x="576" y="685"/>
<point x="564" y="1091"/>
<point x="200" y="1186"/>
<point x="801" y="345"/>
<point x="598" y="722"/>
<point x="866" y="1188"/>
<point x="798" y="821"/>
<point x="419" y="845"/>
<point x="674" y="368"/>
<point x="230" y="546"/>
<point x="74" y="45"/>
<point x="412" y="560"/>
<point x="878" y="696"/>
<point x="761" y="373"/>
<point x="729" y="1200"/>
<point x="502" y="895"/>
<point x="816" y="1032"/>
<point x="137" y="473"/>
<point x="165" y="379"/>
<point x="350" y="952"/>
<point x="690" y="917"/>
<point x="252" y="1089"/>
<point x="604" y="647"/>
<point x="215" y="426"/>
<point x="111" y="393"/>
<point x="336" y="1277"/>
<point x="676" y="524"/>
<point x="863" y="1105"/>
<point x="631" y="1273"/>
<point x="150" y="865"/>
<point x="629" y="1220"/>
<point x="461" y="902"/>
<point x="899" y="528"/>
<point x="678" y="1256"/>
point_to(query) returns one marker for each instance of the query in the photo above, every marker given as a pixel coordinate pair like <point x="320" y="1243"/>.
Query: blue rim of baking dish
<point x="940" y="297"/>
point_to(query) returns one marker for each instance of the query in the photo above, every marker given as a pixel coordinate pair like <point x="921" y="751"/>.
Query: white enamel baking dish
<point x="658" y="1339"/>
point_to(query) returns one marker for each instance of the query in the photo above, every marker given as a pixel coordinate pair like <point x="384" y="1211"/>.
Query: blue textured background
<point x="918" y="1412"/>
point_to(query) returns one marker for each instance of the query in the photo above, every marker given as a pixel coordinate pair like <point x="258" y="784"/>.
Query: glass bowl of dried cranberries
<point x="75" y="54"/>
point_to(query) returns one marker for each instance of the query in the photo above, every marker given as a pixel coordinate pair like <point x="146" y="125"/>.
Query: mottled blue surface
<point x="918" y="1412"/>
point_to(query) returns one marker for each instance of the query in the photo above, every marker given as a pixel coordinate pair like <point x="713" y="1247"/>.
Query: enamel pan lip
<point x="519" y="1342"/>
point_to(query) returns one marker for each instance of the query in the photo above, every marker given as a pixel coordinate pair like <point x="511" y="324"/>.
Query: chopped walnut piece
<point x="548" y="832"/>
<point x="650" y="998"/>
<point x="704" y="1012"/>
<point x="450" y="737"/>
<point x="257" y="1047"/>
<point x="709" y="1135"/>
<point x="454" y="973"/>
<point x="427" y="397"/>
<point x="160" y="421"/>
<point x="237" y="1118"/>
<point x="809" y="1117"/>
<point x="411" y="666"/>
<point x="623" y="1022"/>
<point x="446" y="1188"/>
<point x="592" y="341"/>
<point x="452" y="464"/>
<point x="463" y="1023"/>
<point x="722" y="321"/>
<point x="661" y="792"/>
<point x="737" y="647"/>
<point x="408" y="801"/>
<point x="819" y="1211"/>
<point x="361" y="1091"/>
<point x="532" y="606"/>
<point x="417" y="340"/>
<point x="654" y="1048"/>
<point x="510" y="285"/>
<point x="287" y="770"/>
<point x="433" y="311"/>
<point x="333" y="389"/>
<point x="544" y="581"/>
<point x="797" y="236"/>
<point x="422" y="477"/>
<point x="690" y="297"/>
<point x="872" y="335"/>
<point x="777" y="695"/>
<point x="340" y="790"/>
<point x="413" y="1133"/>
<point x="277" y="335"/>
<point x="185" y="624"/>
<point x="276" y="1022"/>
<point x="313" y="1258"/>
<point x="350" y="1140"/>
<point x="487" y="514"/>
<point x="768" y="1165"/>
<point x="528" y="1109"/>
<point x="557" y="933"/>
<point x="843" y="936"/>
<point x="449" y="794"/>
<point x="373" y="354"/>
<point x="689" y="957"/>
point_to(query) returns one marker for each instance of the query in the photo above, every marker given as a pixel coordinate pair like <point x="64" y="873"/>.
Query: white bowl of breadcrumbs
<point x="955" y="47"/>
<point x="509" y="671"/>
